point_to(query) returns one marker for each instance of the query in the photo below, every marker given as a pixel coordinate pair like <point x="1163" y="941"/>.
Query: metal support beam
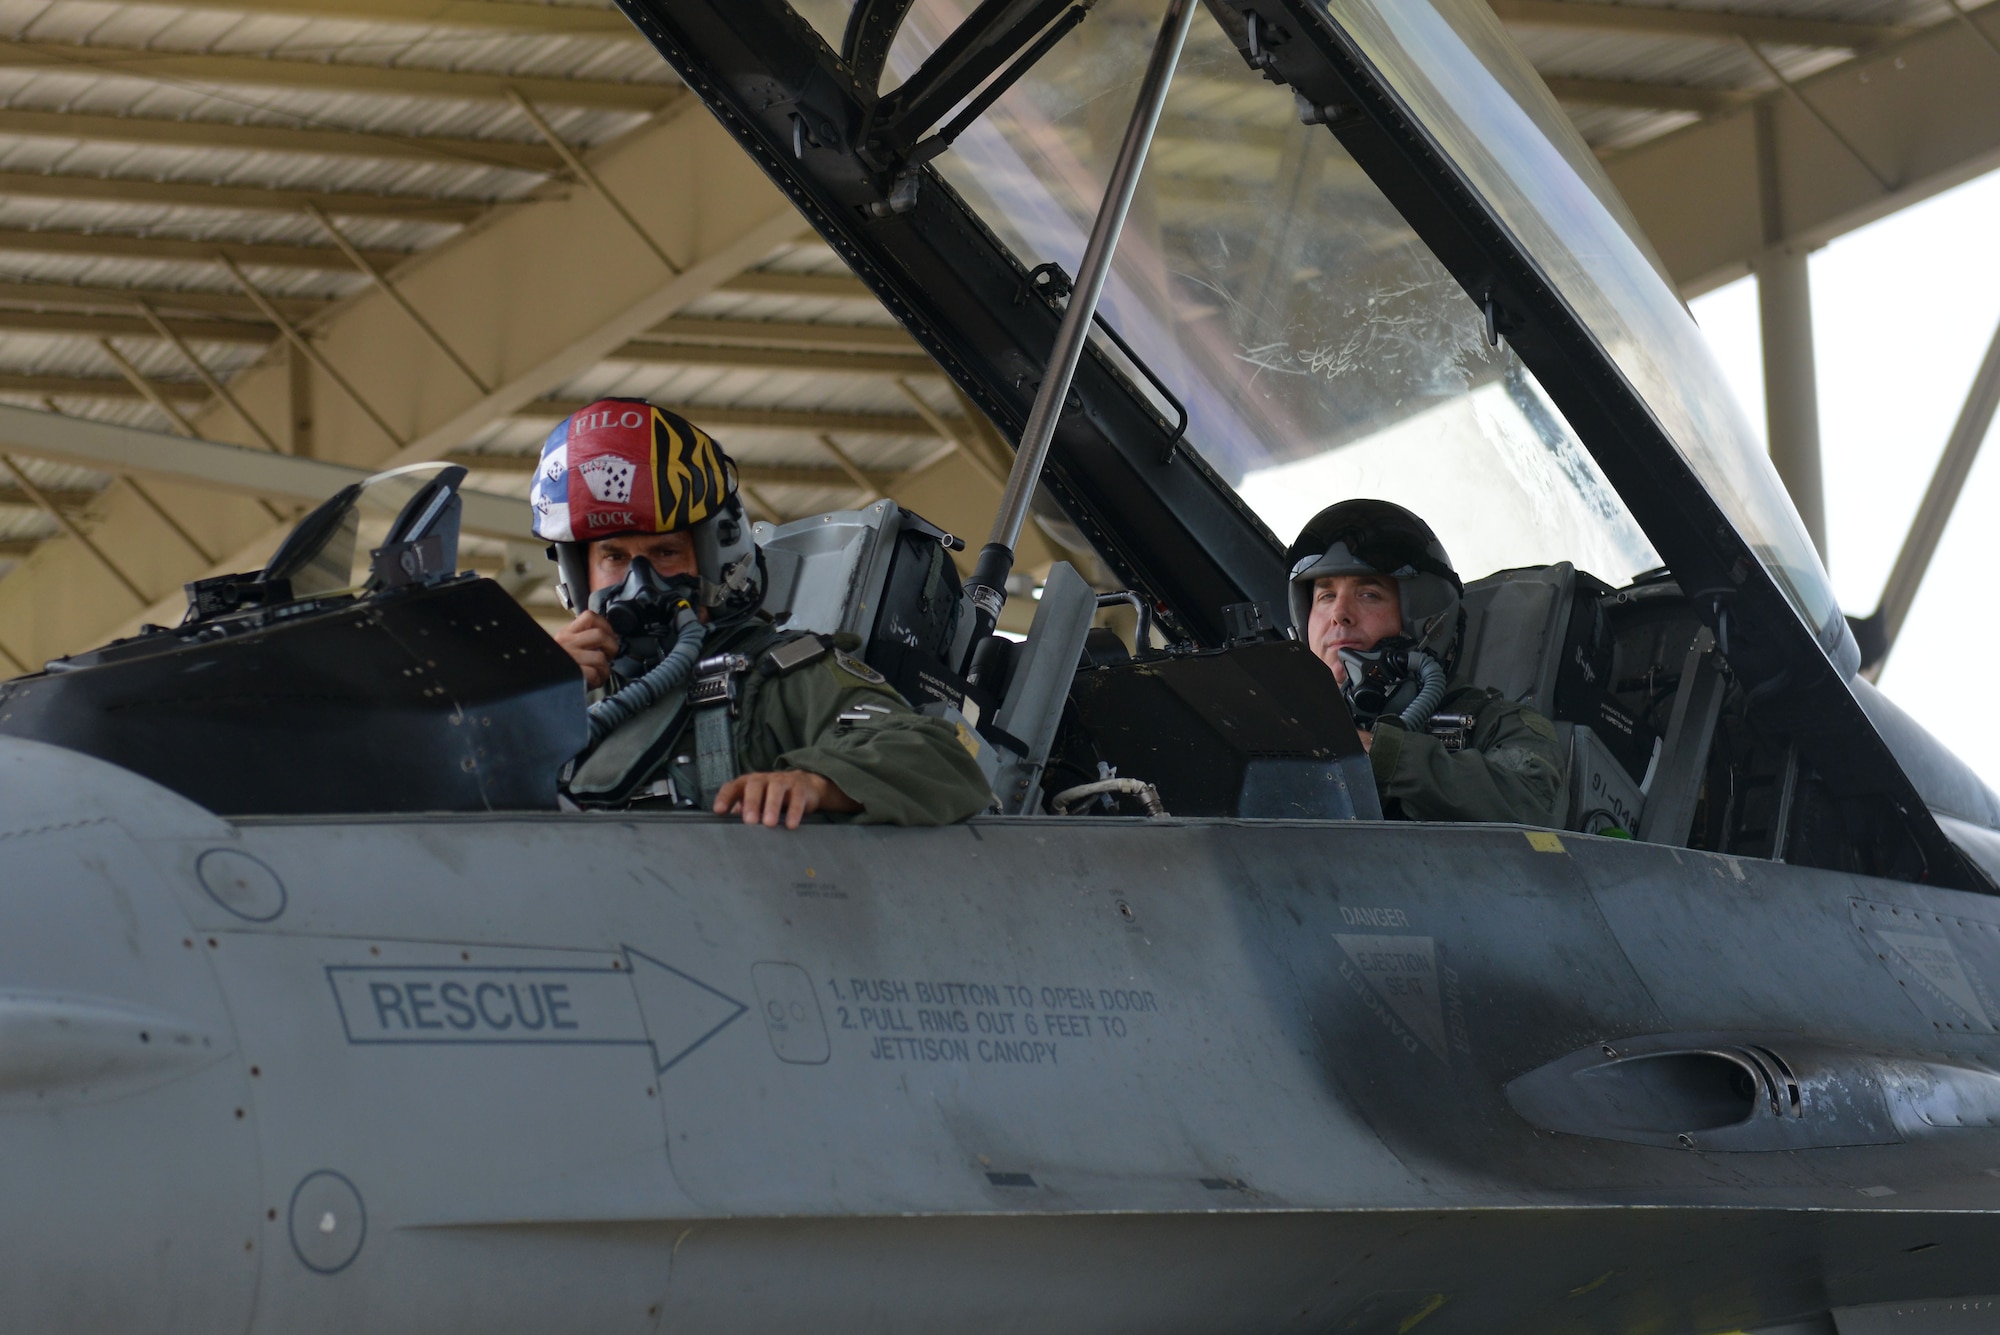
<point x="785" y="334"/>
<point x="198" y="195"/>
<point x="181" y="427"/>
<point x="845" y="462"/>
<point x="180" y="303"/>
<point x="1806" y="105"/>
<point x="760" y="507"/>
<point x="63" y="498"/>
<point x="92" y="325"/>
<point x="307" y="350"/>
<point x="977" y="439"/>
<point x="338" y="75"/>
<point x="503" y="16"/>
<point x="113" y="245"/>
<point x="144" y="388"/>
<point x="764" y="283"/>
<point x="1974" y="26"/>
<point x="1717" y="25"/>
<point x="581" y="170"/>
<point x="961" y="435"/>
<point x="212" y="134"/>
<point x="91" y="387"/>
<point x="237" y="469"/>
<point x="1791" y="384"/>
<point x="215" y="386"/>
<point x="390" y="291"/>
<point x="300" y="434"/>
<point x="1924" y="112"/>
<point x="774" y="359"/>
<point x="538" y="294"/>
<point x="70" y="526"/>
<point x="1877" y="635"/>
<point x="1647" y="96"/>
<point x="714" y="255"/>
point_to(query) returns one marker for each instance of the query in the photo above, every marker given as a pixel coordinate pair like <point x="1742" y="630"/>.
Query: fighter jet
<point x="319" y="1010"/>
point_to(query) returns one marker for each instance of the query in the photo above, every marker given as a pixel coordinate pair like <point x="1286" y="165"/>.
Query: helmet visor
<point x="1368" y="538"/>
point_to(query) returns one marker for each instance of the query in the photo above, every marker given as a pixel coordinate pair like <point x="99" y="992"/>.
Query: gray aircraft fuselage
<point x="665" y="1073"/>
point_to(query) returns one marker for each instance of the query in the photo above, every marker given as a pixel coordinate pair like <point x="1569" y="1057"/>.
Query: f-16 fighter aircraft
<point x="329" y="1000"/>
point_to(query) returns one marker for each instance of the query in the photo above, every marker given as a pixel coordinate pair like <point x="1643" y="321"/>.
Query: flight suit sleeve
<point x="903" y="768"/>
<point x="1511" y="771"/>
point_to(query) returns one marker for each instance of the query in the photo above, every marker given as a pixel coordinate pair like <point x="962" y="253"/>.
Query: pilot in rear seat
<point x="705" y="705"/>
<point x="1375" y="597"/>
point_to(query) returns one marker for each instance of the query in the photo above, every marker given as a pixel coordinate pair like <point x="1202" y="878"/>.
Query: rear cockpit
<point x="1662" y="742"/>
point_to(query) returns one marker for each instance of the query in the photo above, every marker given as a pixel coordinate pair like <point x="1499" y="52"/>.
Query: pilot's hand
<point x="792" y="794"/>
<point x="1367" y="740"/>
<point x="593" y="644"/>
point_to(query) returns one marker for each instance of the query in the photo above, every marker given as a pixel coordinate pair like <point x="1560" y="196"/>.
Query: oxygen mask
<point x="649" y="612"/>
<point x="1393" y="678"/>
<point x="660" y="634"/>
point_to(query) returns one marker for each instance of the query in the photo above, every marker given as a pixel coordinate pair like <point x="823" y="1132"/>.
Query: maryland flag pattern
<point x="625" y="466"/>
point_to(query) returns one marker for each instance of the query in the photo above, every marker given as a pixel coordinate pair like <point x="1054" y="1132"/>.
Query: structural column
<point x="298" y="404"/>
<point x="1791" y="388"/>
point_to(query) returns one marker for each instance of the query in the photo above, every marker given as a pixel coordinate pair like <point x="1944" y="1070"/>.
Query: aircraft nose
<point x="128" y="1190"/>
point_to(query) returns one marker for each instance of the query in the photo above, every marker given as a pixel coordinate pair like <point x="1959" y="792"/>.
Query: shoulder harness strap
<point x="717" y="697"/>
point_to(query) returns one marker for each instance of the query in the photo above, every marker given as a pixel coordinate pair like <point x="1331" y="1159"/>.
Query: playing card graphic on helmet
<point x="623" y="466"/>
<point x="609" y="478"/>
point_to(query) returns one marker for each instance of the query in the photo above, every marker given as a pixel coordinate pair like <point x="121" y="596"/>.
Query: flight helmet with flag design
<point x="623" y="466"/>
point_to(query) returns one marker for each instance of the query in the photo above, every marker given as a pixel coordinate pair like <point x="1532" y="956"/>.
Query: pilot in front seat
<point x="706" y="704"/>
<point x="1375" y="597"/>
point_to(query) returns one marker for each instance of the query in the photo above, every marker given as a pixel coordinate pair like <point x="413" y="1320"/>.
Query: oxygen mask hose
<point x="1377" y="677"/>
<point x="1430" y="694"/>
<point x="670" y="674"/>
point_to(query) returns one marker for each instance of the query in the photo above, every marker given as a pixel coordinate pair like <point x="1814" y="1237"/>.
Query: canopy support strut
<point x="988" y="587"/>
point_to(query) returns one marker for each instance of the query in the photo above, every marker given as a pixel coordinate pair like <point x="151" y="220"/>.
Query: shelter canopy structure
<point x="390" y="237"/>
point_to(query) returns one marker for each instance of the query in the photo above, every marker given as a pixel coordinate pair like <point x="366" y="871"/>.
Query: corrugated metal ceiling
<point x="232" y="115"/>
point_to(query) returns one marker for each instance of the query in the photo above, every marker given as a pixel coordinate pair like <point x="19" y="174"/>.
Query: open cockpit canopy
<point x="1319" y="345"/>
<point x="1320" y="348"/>
<point x="1368" y="256"/>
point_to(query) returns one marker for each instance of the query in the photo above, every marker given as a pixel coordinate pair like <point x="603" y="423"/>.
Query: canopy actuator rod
<point x="988" y="586"/>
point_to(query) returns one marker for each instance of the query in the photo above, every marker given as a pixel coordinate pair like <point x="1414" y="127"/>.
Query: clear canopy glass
<point x="1454" y="65"/>
<point x="1321" y="350"/>
<point x="330" y="549"/>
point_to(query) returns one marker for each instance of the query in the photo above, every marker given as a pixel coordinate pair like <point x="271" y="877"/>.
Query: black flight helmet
<point x="1370" y="537"/>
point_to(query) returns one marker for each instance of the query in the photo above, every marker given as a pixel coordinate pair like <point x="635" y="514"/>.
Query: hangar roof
<point x="387" y="237"/>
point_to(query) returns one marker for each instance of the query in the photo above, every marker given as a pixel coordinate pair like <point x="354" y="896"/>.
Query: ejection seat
<point x="1517" y="633"/>
<point x="885" y="576"/>
<point x="1221" y="733"/>
<point x="1538" y="635"/>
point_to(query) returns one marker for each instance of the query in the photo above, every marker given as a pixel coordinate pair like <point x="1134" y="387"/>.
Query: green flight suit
<point x="1511" y="768"/>
<point x="902" y="767"/>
